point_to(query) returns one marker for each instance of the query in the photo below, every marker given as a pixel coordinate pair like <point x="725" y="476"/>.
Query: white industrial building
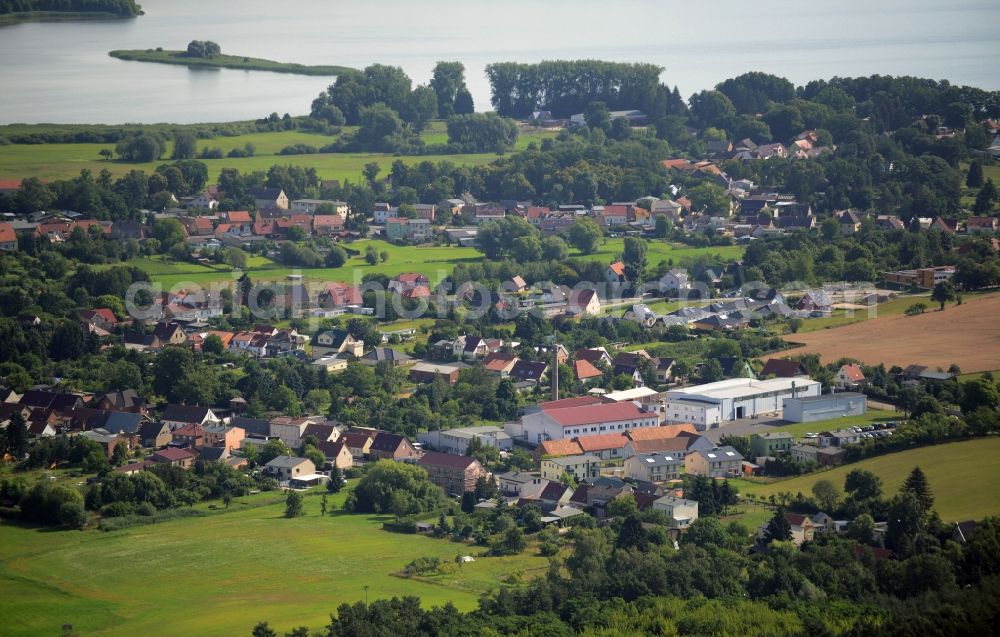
<point x="708" y="406"/>
<point x="825" y="407"/>
<point x="457" y="440"/>
<point x="580" y="420"/>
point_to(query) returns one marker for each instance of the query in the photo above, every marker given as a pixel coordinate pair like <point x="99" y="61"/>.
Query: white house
<point x="309" y="206"/>
<point x="457" y="440"/>
<point x="681" y="513"/>
<point x="675" y="281"/>
<point x="285" y="468"/>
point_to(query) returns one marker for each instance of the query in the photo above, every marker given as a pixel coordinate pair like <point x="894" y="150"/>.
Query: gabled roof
<point x="565" y="403"/>
<point x="387" y="442"/>
<point x="287" y="462"/>
<point x="356" y="439"/>
<point x="7" y="234"/>
<point x="618" y="267"/>
<point x="592" y="414"/>
<point x="447" y="460"/>
<point x="601" y="442"/>
<point x="561" y="447"/>
<point x="238" y="216"/>
<point x="49" y="399"/>
<point x="584" y="370"/>
<point x="151" y="429"/>
<point x="783" y="368"/>
<point x="528" y="370"/>
<point x="853" y="373"/>
<point x="661" y="432"/>
<point x="254" y="426"/>
<point x="185" y="413"/>
<point x="332" y="449"/>
<point x="173" y="454"/>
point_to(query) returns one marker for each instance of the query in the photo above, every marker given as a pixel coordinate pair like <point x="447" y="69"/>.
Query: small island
<point x="208" y="54"/>
<point x="70" y="10"/>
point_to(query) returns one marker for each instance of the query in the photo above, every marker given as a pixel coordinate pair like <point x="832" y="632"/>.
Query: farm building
<point x="824" y="407"/>
<point x="710" y="405"/>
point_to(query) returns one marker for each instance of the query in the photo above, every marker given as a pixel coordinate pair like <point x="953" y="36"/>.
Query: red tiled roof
<point x="602" y="441"/>
<point x="588" y="414"/>
<point x="173" y="454"/>
<point x="561" y="447"/>
<point x="104" y="313"/>
<point x="7" y="233"/>
<point x="618" y="268"/>
<point x="661" y="432"/>
<point x="678" y="164"/>
<point x="853" y="373"/>
<point x="797" y="519"/>
<point x="782" y="368"/>
<point x="333" y="221"/>
<point x="448" y="460"/>
<point x="585" y="370"/>
<point x="10" y="184"/>
<point x="238" y="216"/>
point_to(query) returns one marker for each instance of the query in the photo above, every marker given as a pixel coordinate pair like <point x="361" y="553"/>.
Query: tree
<point x="916" y="483"/>
<point x="421" y="107"/>
<point x="710" y="198"/>
<point x="481" y="132"/>
<point x="203" y="49"/>
<point x="862" y="528"/>
<point x="336" y="257"/>
<point x="513" y="542"/>
<point x="370" y="173"/>
<point x="371" y="255"/>
<point x="323" y="505"/>
<point x="236" y="258"/>
<point x="463" y="102"/>
<point x="554" y="249"/>
<point x="986" y="198"/>
<point x="623" y="507"/>
<point x="712" y="108"/>
<point x="943" y="292"/>
<point x="389" y="486"/>
<point x="597" y="116"/>
<point x="527" y="248"/>
<point x="185" y="145"/>
<point x="863" y="485"/>
<point x="974" y="178"/>
<point x="447" y="81"/>
<point x="263" y="629"/>
<point x="711" y="371"/>
<point x="981" y="393"/>
<point x="17" y="435"/>
<point x="141" y="147"/>
<point x="584" y="235"/>
<point x="378" y="122"/>
<point x="293" y="505"/>
<point x="336" y="481"/>
<point x="634" y="256"/>
<point x="827" y="495"/>
<point x="778" y="528"/>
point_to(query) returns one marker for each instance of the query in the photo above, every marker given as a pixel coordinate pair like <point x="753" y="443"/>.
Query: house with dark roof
<point x="388" y="446"/>
<point x="783" y="368"/>
<point x="214" y="454"/>
<point x="269" y="198"/>
<point x="120" y="400"/>
<point x="254" y="427"/>
<point x="177" y="416"/>
<point x="174" y="456"/>
<point x="154" y="434"/>
<point x="815" y="302"/>
<point x="45" y="399"/>
<point x="528" y="371"/>
<point x="454" y="474"/>
<point x="385" y="354"/>
<point x="337" y="453"/>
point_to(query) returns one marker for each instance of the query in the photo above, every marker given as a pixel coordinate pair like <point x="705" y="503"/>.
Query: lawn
<point x="65" y="161"/>
<point x="221" y="573"/>
<point x="959" y="474"/>
<point x="840" y="318"/>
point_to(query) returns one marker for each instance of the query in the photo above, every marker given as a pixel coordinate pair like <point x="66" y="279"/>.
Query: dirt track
<point x="968" y="334"/>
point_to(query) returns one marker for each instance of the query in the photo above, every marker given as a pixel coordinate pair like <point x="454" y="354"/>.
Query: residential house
<point x="675" y="282"/>
<point x="214" y="454"/>
<point x="174" y="456"/>
<point x="290" y="430"/>
<point x="604" y="446"/>
<point x="154" y="434"/>
<point x="337" y="453"/>
<point x="584" y="302"/>
<point x="664" y="369"/>
<point x="615" y="273"/>
<point x="528" y="371"/>
<point x="653" y="467"/>
<point x="219" y="435"/>
<point x="585" y="372"/>
<point x="101" y="317"/>
<point x="823" y="456"/>
<point x="191" y="436"/>
<point x="309" y="206"/>
<point x="577" y="467"/>
<point x="387" y="446"/>
<point x="177" y="416"/>
<point x="385" y="354"/>
<point x="457" y="440"/>
<point x="978" y="225"/>
<point x="120" y="400"/>
<point x="680" y="512"/>
<point x="595" y="355"/>
<point x="721" y="462"/>
<point x="8" y="238"/>
<point x="338" y="294"/>
<point x="426" y="372"/>
<point x="455" y="474"/>
<point x="783" y="368"/>
<point x="815" y="302"/>
<point x="557" y="448"/>
<point x="327" y="225"/>
<point x="408" y="281"/>
<point x="803" y="529"/>
<point x="169" y="333"/>
<point x="285" y="468"/>
<point x="850" y="222"/>
<point x="849" y="376"/>
<point x="337" y="341"/>
<point x="521" y="483"/>
<point x="679" y="445"/>
<point x="269" y="198"/>
<point x="500" y="363"/>
<point x="358" y="443"/>
<point x="770" y="444"/>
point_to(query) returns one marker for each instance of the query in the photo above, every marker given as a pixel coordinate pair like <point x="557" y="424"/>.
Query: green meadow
<point x="436" y="262"/>
<point x="959" y="474"/>
<point x="224" y="572"/>
<point x="65" y="161"/>
<point x="799" y="429"/>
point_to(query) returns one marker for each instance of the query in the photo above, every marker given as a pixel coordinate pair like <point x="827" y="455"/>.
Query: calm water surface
<point x="60" y="72"/>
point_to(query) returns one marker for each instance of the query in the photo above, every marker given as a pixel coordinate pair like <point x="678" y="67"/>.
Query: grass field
<point x="959" y="474"/>
<point x="967" y="335"/>
<point x="222" y="573"/>
<point x="65" y="161"/>
<point x="840" y="318"/>
<point x="436" y="262"/>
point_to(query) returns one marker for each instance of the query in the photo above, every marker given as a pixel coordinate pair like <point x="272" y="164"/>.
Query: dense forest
<point x="121" y="8"/>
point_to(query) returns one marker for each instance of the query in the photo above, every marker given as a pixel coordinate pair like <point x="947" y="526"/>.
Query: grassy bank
<point x="959" y="474"/>
<point x="19" y="17"/>
<point x="161" y="56"/>
<point x="222" y="572"/>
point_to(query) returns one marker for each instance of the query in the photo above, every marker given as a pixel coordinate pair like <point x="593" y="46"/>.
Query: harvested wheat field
<point x="967" y="334"/>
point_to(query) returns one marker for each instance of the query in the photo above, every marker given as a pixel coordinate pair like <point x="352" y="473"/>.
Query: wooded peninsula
<point x="221" y="61"/>
<point x="17" y="11"/>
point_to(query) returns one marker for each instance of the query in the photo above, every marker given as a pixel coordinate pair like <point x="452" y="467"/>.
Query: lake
<point x="60" y="72"/>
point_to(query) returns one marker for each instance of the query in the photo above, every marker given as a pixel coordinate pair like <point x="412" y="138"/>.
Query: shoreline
<point x="26" y="17"/>
<point x="237" y="62"/>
